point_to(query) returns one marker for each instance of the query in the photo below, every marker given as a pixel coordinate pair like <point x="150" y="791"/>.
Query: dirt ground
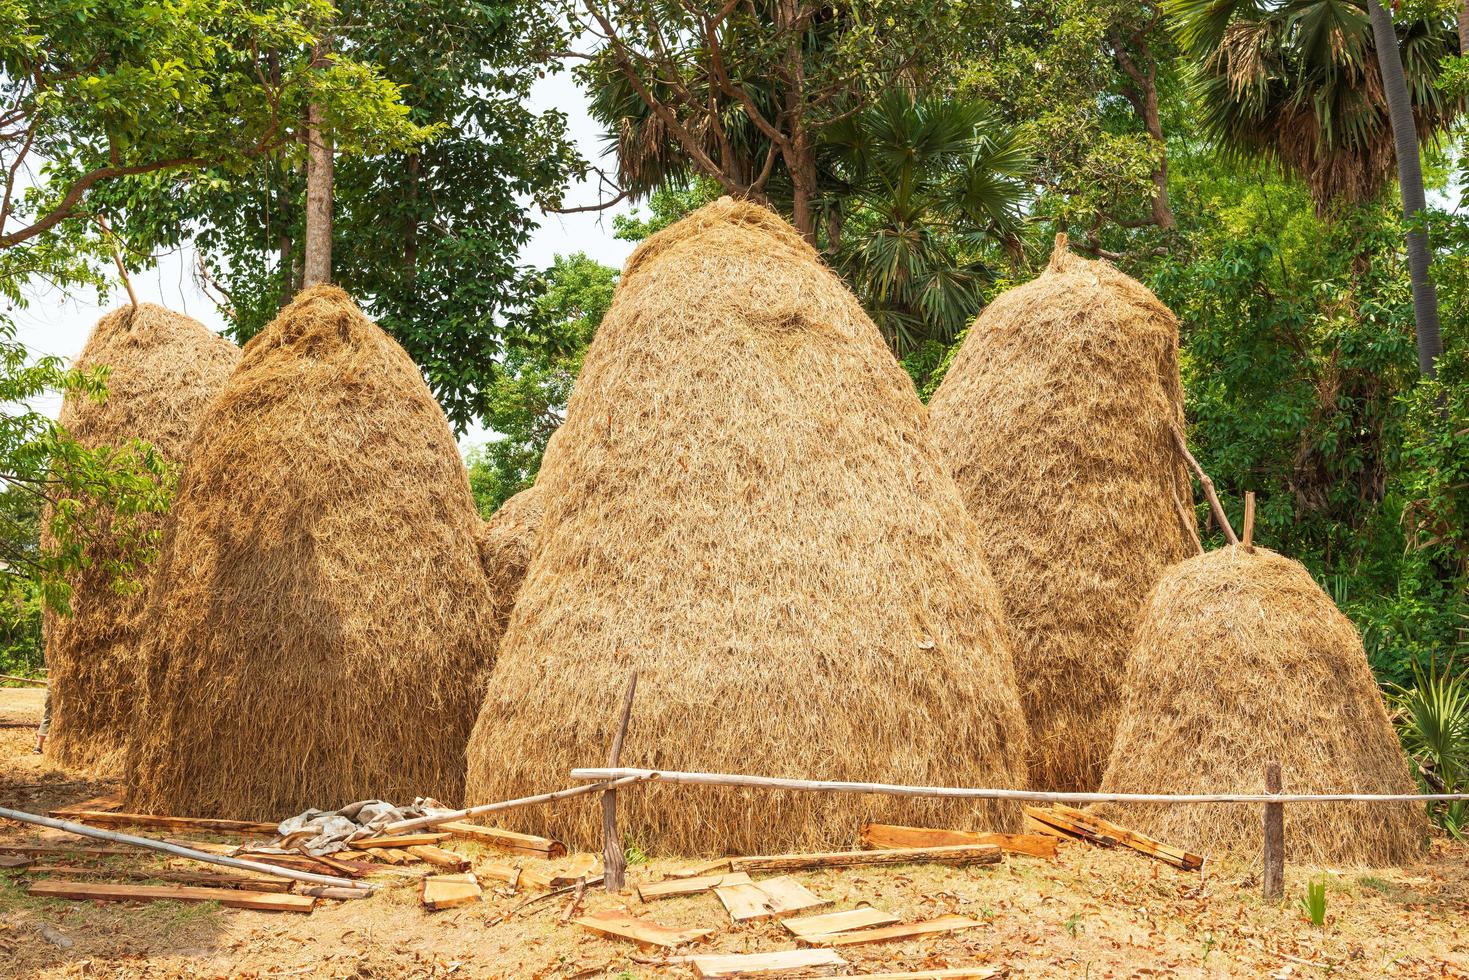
<point x="1091" y="913"/>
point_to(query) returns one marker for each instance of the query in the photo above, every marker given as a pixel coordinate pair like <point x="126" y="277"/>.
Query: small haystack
<point x="506" y="542"/>
<point x="164" y="368"/>
<point x="743" y="505"/>
<point x="321" y="624"/>
<point x="1056" y="421"/>
<point x="1242" y="659"/>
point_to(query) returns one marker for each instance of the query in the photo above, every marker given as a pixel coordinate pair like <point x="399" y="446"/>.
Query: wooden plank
<point x="15" y="860"/>
<point x="944" y="923"/>
<point x="109" y="802"/>
<point x="449" y="891"/>
<point x="863" y="917"/>
<point x="67" y="849"/>
<point x="891" y="835"/>
<point x="578" y="866"/>
<point x="1062" y="827"/>
<point x="507" y="840"/>
<point x="109" y="818"/>
<point x="611" y="922"/>
<point x="1136" y="840"/>
<point x="439" y="857"/>
<point x="229" y="897"/>
<point x="957" y="973"/>
<point x="500" y="872"/>
<point x="956" y="854"/>
<point x="701" y="870"/>
<point x="396" y="840"/>
<point x="204" y="878"/>
<point x="768" y="964"/>
<point x="674" y="887"/>
<point x="765" y="899"/>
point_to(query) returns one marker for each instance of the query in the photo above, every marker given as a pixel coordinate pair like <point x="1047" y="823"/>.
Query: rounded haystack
<point x="1241" y="659"/>
<point x="744" y="507"/>
<point x="1056" y="421"/>
<point x="321" y="625"/>
<point x="163" y="369"/>
<point x="506" y="542"/>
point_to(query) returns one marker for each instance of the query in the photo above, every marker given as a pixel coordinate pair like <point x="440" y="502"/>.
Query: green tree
<point x="527" y="402"/>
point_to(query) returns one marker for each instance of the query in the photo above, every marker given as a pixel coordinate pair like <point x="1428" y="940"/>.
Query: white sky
<point x="60" y="324"/>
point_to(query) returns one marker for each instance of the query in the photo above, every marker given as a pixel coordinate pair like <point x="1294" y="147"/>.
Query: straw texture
<point x="1055" y="422"/>
<point x="1242" y="659"/>
<point x="164" y="368"/>
<point x="506" y="542"/>
<point x="744" y="506"/>
<point x="322" y="622"/>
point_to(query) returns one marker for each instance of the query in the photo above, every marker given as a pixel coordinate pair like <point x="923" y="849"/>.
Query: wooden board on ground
<point x="449" y="891"/>
<point x="229" y="897"/>
<point x="944" y="923"/>
<point x="1136" y="840"/>
<point x="864" y="917"/>
<point x="956" y="973"/>
<point x="15" y="860"/>
<point x="109" y="818"/>
<point x="578" y="866"/>
<point x="439" y="857"/>
<point x="957" y="854"/>
<point x="769" y="964"/>
<point x="396" y="840"/>
<point x="210" y="879"/>
<point x="507" y="840"/>
<point x="891" y="835"/>
<point x="1043" y="821"/>
<point x="611" y="922"/>
<point x="762" y="900"/>
<point x="111" y="801"/>
<point x="673" y="887"/>
<point x="69" y="849"/>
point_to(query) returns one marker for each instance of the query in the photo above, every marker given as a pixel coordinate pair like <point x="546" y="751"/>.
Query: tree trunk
<point x="1142" y="93"/>
<point x="318" y="260"/>
<point x="1410" y="181"/>
<point x="1464" y="27"/>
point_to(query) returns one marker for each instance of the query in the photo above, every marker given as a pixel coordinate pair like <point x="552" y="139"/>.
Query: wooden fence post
<point x="614" y="862"/>
<point x="1273" y="879"/>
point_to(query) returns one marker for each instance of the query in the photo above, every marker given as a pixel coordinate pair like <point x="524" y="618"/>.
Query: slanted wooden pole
<point x="1273" y="878"/>
<point x="452" y="816"/>
<point x="614" y="862"/>
<point x="1215" y="507"/>
<point x="1249" y="539"/>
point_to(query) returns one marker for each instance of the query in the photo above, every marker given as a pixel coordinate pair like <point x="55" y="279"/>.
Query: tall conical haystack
<point x="744" y="507"/>
<point x="164" y="368"/>
<point x="506" y="542"/>
<point x="321" y="623"/>
<point x="1055" y="420"/>
<point x="1242" y="659"/>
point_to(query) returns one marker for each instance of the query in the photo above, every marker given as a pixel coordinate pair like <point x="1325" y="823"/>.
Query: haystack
<point x="164" y="368"/>
<point x="321" y="623"/>
<point x="506" y="542"/>
<point x="743" y="505"/>
<point x="1055" y="420"/>
<point x="1242" y="659"/>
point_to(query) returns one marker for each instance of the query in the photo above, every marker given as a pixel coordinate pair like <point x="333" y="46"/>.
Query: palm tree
<point x="917" y="190"/>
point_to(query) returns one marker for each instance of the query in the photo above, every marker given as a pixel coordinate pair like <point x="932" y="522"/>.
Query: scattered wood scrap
<point x="611" y="922"/>
<point x="228" y="897"/>
<point x="864" y="917"/>
<point x="700" y="870"/>
<point x="890" y="835"/>
<point x="396" y="840"/>
<point x="450" y="891"/>
<point x="766" y="899"/>
<point x="439" y="857"/>
<point x="769" y="964"/>
<point x="1136" y="840"/>
<point x="577" y="867"/>
<point x="111" y="801"/>
<point x="111" y="818"/>
<point x="944" y="923"/>
<point x="208" y="879"/>
<point x="1043" y="821"/>
<point x="507" y="840"/>
<point x="955" y="854"/>
<point x="15" y="860"/>
<point x="675" y="887"/>
<point x="66" y="849"/>
<point x="958" y="973"/>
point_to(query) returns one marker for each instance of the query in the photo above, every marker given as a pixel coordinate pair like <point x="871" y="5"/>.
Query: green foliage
<point x="1313" y="902"/>
<point x="1432" y="718"/>
<point x="527" y="402"/>
<point x="667" y="204"/>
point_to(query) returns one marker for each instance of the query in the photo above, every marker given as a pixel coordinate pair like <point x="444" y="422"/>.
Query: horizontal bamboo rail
<point x="1019" y="795"/>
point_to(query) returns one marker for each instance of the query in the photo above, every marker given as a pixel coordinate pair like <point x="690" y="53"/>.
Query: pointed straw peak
<point x="1061" y="254"/>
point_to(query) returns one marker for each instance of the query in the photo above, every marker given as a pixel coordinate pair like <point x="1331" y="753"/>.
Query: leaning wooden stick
<point x="1189" y="521"/>
<point x="1214" y="505"/>
<point x="450" y="816"/>
<point x="1249" y="539"/>
<point x="82" y="830"/>
<point x="22" y="680"/>
<point x="614" y="862"/>
<point x="980" y="793"/>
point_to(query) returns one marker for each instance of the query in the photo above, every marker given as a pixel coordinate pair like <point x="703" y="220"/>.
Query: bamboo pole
<point x="402" y="826"/>
<point x="23" y="680"/>
<point x="614" y="862"/>
<point x="964" y="792"/>
<point x="1249" y="538"/>
<point x="1214" y="505"/>
<point x="1273" y="851"/>
<point x="82" y="830"/>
